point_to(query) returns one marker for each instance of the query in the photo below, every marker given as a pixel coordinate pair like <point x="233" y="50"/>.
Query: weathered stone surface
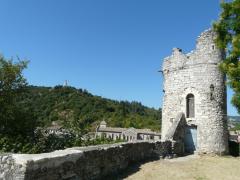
<point x="8" y="169"/>
<point x="176" y="131"/>
<point x="194" y="73"/>
<point x="93" y="162"/>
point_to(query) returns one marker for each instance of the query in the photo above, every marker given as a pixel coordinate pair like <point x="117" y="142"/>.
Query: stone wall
<point x="8" y="168"/>
<point x="194" y="73"/>
<point x="91" y="162"/>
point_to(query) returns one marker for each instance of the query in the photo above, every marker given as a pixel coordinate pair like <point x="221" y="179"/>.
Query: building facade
<point x="127" y="134"/>
<point x="54" y="129"/>
<point x="194" y="86"/>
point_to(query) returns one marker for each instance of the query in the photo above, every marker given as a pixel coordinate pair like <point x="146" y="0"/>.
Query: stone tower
<point x="194" y="87"/>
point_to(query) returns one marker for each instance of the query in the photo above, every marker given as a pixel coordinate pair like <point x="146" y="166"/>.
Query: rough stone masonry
<point x="93" y="162"/>
<point x="194" y="86"/>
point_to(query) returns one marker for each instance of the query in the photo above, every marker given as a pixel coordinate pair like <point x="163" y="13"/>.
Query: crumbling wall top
<point x="205" y="52"/>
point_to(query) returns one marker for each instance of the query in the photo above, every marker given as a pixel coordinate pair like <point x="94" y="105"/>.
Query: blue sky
<point x="112" y="48"/>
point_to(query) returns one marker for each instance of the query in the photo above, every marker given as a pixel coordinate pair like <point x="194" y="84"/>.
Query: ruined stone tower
<point x="195" y="88"/>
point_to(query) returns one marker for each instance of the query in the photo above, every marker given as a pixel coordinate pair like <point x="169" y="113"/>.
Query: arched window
<point x="190" y="106"/>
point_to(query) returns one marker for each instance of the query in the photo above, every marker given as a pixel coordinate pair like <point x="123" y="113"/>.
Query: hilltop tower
<point x="195" y="87"/>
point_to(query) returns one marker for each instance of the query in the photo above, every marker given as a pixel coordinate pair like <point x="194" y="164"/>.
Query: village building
<point x="56" y="129"/>
<point x="127" y="134"/>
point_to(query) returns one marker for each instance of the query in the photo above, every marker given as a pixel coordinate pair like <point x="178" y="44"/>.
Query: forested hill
<point x="77" y="108"/>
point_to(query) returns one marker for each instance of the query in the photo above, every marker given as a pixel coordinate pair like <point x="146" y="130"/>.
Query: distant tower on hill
<point x="195" y="93"/>
<point x="65" y="84"/>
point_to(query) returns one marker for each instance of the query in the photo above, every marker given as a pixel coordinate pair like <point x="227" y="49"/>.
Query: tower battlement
<point x="206" y="52"/>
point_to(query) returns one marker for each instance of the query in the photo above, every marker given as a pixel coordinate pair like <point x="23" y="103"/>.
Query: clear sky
<point x="112" y="48"/>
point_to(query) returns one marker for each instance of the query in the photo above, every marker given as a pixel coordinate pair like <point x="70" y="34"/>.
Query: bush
<point x="43" y="144"/>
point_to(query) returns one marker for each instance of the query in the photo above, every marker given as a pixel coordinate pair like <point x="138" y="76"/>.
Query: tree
<point x="228" y="38"/>
<point x="12" y="84"/>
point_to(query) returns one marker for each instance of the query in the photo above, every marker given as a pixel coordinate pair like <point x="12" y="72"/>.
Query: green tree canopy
<point x="228" y="31"/>
<point x="13" y="117"/>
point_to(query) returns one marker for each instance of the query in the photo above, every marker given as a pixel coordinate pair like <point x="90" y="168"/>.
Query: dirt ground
<point x="187" y="168"/>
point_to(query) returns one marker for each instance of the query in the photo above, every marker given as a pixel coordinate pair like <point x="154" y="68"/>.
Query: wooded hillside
<point x="77" y="108"/>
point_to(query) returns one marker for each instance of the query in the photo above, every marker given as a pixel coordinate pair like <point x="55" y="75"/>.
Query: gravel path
<point x="187" y="168"/>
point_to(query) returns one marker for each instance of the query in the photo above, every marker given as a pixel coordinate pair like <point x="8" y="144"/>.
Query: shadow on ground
<point x="131" y="169"/>
<point x="136" y="166"/>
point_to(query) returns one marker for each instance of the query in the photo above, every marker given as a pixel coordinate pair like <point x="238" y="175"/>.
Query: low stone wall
<point x="8" y="168"/>
<point x="91" y="162"/>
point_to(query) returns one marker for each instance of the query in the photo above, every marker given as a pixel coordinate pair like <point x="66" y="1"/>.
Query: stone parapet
<point x="93" y="162"/>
